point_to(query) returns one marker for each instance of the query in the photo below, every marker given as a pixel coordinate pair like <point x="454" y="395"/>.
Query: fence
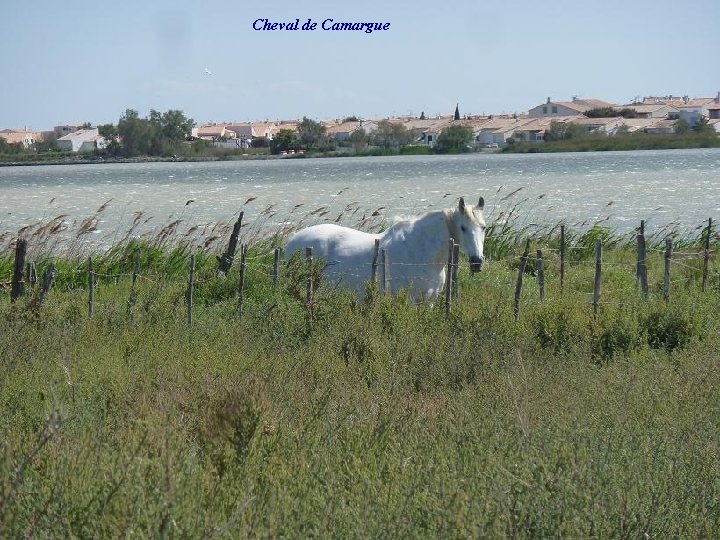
<point x="25" y="273"/>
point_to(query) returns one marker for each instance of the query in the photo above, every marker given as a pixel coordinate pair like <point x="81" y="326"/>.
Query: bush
<point x="668" y="328"/>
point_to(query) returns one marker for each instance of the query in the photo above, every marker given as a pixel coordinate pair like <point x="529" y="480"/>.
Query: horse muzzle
<point x="476" y="263"/>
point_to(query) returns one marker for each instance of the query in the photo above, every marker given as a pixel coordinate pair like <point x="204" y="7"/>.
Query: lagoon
<point x="618" y="188"/>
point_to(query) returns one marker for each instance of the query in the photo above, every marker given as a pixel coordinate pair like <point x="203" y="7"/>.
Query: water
<point x="662" y="187"/>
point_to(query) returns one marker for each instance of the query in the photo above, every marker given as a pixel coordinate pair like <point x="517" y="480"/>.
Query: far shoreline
<point x="584" y="145"/>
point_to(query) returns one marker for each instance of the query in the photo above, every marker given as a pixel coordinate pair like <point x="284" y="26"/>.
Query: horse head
<point x="469" y="225"/>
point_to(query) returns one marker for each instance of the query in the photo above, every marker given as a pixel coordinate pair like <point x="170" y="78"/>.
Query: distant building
<point x="67" y="129"/>
<point x="21" y="136"/>
<point x="567" y="108"/>
<point x="82" y="140"/>
<point x="213" y="132"/>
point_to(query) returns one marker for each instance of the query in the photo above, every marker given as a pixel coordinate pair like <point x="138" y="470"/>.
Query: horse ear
<point x="481" y="203"/>
<point x="461" y="206"/>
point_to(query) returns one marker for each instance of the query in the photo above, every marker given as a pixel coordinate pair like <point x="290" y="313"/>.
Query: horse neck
<point x="432" y="230"/>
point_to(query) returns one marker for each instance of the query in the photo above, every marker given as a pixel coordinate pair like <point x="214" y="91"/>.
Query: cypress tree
<point x="457" y="112"/>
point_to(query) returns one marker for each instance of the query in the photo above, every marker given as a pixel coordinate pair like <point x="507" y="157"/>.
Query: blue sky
<point x="89" y="61"/>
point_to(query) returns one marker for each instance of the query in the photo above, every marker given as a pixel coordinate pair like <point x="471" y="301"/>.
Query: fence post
<point x="518" y="285"/>
<point x="706" y="257"/>
<point x="386" y="271"/>
<point x="666" y="275"/>
<point x="597" y="289"/>
<point x="455" y="268"/>
<point x="276" y="267"/>
<point x="541" y="274"/>
<point x="374" y="267"/>
<point x="48" y="280"/>
<point x="562" y="257"/>
<point x="33" y="274"/>
<point x="18" y="283"/>
<point x="91" y="287"/>
<point x="241" y="284"/>
<point x="227" y="258"/>
<point x="191" y="284"/>
<point x="448" y="278"/>
<point x="133" y="291"/>
<point x="642" y="262"/>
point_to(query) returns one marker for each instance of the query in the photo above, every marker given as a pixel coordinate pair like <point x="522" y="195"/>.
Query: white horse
<point x="417" y="250"/>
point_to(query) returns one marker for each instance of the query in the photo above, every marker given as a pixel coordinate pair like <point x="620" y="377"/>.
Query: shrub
<point x="668" y="328"/>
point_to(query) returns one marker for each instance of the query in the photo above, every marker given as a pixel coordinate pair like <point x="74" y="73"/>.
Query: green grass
<point x="361" y="419"/>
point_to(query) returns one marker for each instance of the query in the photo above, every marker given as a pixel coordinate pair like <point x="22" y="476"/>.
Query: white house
<point x="82" y="140"/>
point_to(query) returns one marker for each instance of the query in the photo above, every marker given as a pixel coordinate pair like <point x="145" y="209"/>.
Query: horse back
<point x="332" y="242"/>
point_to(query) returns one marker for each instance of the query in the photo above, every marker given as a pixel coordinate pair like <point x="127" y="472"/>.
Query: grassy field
<point x="361" y="419"/>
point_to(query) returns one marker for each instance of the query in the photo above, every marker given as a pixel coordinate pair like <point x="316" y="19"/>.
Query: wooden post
<point x="541" y="274"/>
<point x="668" y="262"/>
<point x="91" y="287"/>
<point x="706" y="257"/>
<point x="562" y="257"/>
<point x="33" y="274"/>
<point x="597" y="289"/>
<point x="133" y="291"/>
<point x="641" y="232"/>
<point x="374" y="267"/>
<point x="136" y="268"/>
<point x="276" y="267"/>
<point x="455" y="268"/>
<point x="227" y="258"/>
<point x="448" y="278"/>
<point x="48" y="280"/>
<point x="518" y="285"/>
<point x="642" y="265"/>
<point x="309" y="259"/>
<point x="18" y="283"/>
<point x="386" y="270"/>
<point x="191" y="286"/>
<point x="241" y="285"/>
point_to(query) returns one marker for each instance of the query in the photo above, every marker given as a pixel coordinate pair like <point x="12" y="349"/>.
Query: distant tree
<point x="457" y="111"/>
<point x="260" y="142"/>
<point x="111" y="135"/>
<point x="422" y="115"/>
<point x="561" y="131"/>
<point x="135" y="134"/>
<point x="703" y="127"/>
<point x="48" y="143"/>
<point x="610" y="112"/>
<point x="86" y="125"/>
<point x="627" y="112"/>
<point x="352" y="118"/>
<point x="391" y="135"/>
<point x="454" y="140"/>
<point x="601" y="112"/>
<point x="284" y="141"/>
<point x="158" y="134"/>
<point x="359" y="139"/>
<point x="681" y="126"/>
<point x="10" y="148"/>
<point x="175" y="126"/>
<point x="312" y="134"/>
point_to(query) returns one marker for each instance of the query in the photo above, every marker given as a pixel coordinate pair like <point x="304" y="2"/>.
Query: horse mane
<point x="402" y="219"/>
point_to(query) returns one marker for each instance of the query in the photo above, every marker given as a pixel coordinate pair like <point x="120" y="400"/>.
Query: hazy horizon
<point x="91" y="62"/>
